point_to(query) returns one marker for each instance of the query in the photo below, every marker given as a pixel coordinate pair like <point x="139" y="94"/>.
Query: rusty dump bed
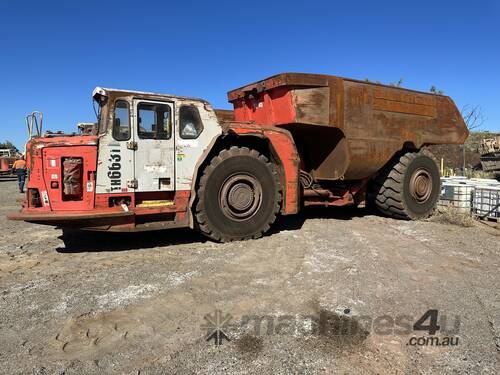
<point x="344" y="128"/>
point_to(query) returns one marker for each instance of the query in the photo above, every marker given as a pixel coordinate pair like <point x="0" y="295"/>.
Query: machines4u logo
<point x="429" y="322"/>
<point x="216" y="326"/>
<point x="340" y="323"/>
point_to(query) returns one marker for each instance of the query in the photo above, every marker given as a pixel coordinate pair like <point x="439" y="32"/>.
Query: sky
<point x="53" y="53"/>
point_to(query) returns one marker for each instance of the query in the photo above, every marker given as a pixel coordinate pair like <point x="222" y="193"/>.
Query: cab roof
<point x="105" y="91"/>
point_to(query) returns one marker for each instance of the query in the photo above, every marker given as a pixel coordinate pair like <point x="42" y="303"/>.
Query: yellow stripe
<point x="155" y="203"/>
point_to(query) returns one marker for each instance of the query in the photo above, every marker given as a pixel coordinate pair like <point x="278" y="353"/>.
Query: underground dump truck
<point x="155" y="161"/>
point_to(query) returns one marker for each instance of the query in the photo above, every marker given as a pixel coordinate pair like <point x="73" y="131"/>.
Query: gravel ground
<point x="331" y="291"/>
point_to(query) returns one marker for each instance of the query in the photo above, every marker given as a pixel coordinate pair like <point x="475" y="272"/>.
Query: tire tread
<point x="386" y="189"/>
<point x="203" y="224"/>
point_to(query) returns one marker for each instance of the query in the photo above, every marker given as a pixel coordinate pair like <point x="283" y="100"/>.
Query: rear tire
<point x="238" y="196"/>
<point x="408" y="188"/>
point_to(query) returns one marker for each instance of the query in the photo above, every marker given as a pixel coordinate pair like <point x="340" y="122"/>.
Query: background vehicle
<point x="159" y="161"/>
<point x="7" y="159"/>
<point x="490" y="154"/>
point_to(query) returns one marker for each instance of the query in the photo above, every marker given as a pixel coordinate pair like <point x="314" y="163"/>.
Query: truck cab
<point x="140" y="157"/>
<point x="149" y="144"/>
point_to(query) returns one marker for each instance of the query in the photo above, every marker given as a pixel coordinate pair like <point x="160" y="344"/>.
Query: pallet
<point x="488" y="218"/>
<point x="494" y="219"/>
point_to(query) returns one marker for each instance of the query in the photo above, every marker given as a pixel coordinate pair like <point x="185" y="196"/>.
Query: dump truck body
<point x="348" y="129"/>
<point x="157" y="161"/>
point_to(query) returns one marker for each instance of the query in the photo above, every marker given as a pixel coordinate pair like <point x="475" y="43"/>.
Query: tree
<point x="397" y="84"/>
<point x="8" y="145"/>
<point x="474" y="119"/>
<point x="370" y="81"/>
<point x="435" y="90"/>
<point x="473" y="116"/>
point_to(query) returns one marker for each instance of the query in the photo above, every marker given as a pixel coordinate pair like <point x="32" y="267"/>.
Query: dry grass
<point x="454" y="216"/>
<point x="470" y="173"/>
<point x="479" y="174"/>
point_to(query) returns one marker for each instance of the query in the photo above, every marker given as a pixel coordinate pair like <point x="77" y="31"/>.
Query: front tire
<point x="408" y="188"/>
<point x="238" y="196"/>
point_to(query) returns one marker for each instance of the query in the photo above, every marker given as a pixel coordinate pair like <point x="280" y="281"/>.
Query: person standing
<point x="19" y="169"/>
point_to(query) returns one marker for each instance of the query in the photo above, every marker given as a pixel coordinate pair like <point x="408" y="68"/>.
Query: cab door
<point x="155" y="147"/>
<point x="115" y="166"/>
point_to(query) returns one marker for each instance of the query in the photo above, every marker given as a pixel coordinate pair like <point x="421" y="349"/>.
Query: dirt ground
<point x="334" y="291"/>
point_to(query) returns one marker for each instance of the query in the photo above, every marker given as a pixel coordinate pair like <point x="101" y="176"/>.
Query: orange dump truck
<point x="155" y="161"/>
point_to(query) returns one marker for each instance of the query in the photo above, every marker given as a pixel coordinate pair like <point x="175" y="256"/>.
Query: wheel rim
<point x="240" y="196"/>
<point x="421" y="185"/>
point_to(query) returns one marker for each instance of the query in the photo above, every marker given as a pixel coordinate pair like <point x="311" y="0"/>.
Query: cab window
<point x="190" y="125"/>
<point x="121" y="121"/>
<point x="154" y="121"/>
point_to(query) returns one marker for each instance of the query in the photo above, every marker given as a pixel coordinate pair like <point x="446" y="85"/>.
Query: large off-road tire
<point x="238" y="196"/>
<point x="408" y="188"/>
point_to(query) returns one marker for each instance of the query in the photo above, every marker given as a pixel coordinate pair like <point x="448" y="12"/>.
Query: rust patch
<point x="403" y="102"/>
